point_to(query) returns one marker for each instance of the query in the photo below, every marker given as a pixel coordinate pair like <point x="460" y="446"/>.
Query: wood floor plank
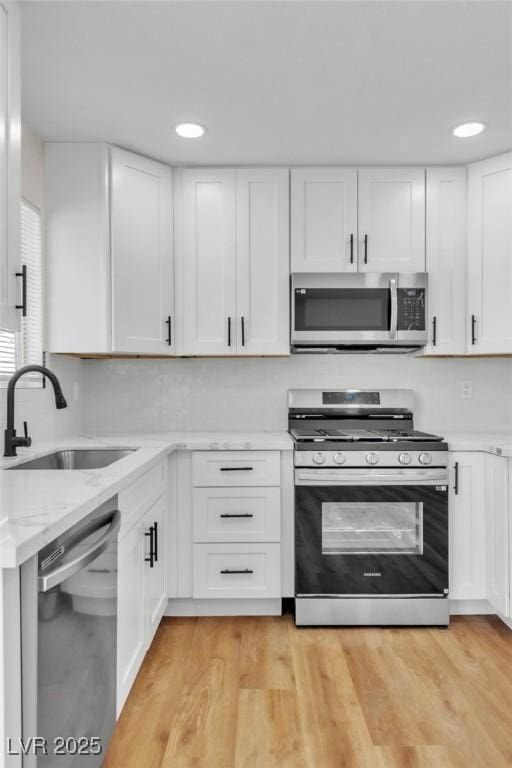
<point x="265" y="656"/>
<point x="268" y="732"/>
<point x="260" y="693"/>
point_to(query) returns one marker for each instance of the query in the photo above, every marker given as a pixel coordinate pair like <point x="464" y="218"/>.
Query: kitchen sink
<point x="77" y="458"/>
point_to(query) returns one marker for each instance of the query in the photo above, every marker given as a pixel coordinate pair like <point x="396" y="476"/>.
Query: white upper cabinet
<point x="262" y="263"/>
<point x="324" y="220"/>
<point x="234" y="264"/>
<point x="468" y="577"/>
<point x="489" y="308"/>
<point x="10" y="127"/>
<point x="497" y="533"/>
<point x="391" y="219"/>
<point x="142" y="279"/>
<point x="208" y="262"/>
<point x="446" y="260"/>
<point x="109" y="251"/>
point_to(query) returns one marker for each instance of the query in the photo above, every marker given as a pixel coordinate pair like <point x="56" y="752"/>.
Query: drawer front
<point x="141" y="494"/>
<point x="237" y="570"/>
<point x="235" y="468"/>
<point x="237" y="514"/>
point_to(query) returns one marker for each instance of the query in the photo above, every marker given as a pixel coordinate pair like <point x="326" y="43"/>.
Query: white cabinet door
<point x="142" y="269"/>
<point x="446" y="260"/>
<point x="262" y="261"/>
<point x="497" y="530"/>
<point x="131" y="641"/>
<point x="10" y="283"/>
<point x="391" y="219"/>
<point x="324" y="220"/>
<point x="155" y="596"/>
<point x="208" y="262"/>
<point x="468" y="579"/>
<point x="490" y="256"/>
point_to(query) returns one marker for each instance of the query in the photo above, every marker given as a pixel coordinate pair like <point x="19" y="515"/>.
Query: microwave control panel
<point x="411" y="309"/>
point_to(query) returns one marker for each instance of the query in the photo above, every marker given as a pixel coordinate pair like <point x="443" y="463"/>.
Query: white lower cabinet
<point x="497" y="533"/>
<point x="130" y="610"/>
<point x="480" y="543"/>
<point x="141" y="574"/>
<point x="154" y="581"/>
<point x="467" y="526"/>
<point x="235" y="537"/>
<point x="237" y="570"/>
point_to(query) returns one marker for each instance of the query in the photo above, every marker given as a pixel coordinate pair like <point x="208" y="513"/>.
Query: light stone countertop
<point x="498" y="443"/>
<point x="38" y="505"/>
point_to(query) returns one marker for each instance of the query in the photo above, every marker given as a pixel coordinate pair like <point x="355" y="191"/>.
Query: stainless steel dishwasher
<point x="69" y="628"/>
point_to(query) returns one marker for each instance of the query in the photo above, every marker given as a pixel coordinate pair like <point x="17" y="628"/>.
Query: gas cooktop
<point x="360" y="428"/>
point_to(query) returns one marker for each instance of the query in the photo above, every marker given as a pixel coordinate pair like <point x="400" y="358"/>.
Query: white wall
<point x="36" y="405"/>
<point x="251" y="394"/>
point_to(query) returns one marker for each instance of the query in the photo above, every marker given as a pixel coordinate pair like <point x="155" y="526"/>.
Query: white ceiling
<point x="274" y="82"/>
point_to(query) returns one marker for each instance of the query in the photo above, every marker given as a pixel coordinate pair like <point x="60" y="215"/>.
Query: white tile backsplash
<point x="241" y="394"/>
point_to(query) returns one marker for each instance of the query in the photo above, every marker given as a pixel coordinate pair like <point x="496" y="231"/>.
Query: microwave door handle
<point x="394" y="309"/>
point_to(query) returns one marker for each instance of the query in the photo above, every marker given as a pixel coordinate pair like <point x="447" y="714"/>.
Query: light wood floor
<point x="260" y="693"/>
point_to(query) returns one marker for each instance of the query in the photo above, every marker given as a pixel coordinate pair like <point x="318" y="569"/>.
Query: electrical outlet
<point x="466" y="390"/>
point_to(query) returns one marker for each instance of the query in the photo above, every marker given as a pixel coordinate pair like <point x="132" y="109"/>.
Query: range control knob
<point x="425" y="458"/>
<point x="372" y="458"/>
<point x="404" y="458"/>
<point x="319" y="458"/>
<point x="339" y="458"/>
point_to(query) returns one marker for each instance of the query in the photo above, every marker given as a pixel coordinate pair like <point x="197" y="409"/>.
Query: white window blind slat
<point x="26" y="347"/>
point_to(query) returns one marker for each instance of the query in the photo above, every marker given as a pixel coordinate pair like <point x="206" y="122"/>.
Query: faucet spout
<point x="11" y="440"/>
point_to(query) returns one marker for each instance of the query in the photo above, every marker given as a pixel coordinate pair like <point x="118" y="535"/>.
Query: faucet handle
<point x="28" y="440"/>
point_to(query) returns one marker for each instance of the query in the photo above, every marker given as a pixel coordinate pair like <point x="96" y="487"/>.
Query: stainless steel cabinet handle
<point x="54" y="578"/>
<point x="434" y="331"/>
<point x="243" y="330"/>
<point x="229" y="571"/>
<point x="352" y="249"/>
<point x="241" y="514"/>
<point x="229" y="331"/>
<point x="366" y="249"/>
<point x="168" y="323"/>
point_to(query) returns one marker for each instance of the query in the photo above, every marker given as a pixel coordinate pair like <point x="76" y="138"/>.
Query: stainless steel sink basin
<point x="78" y="458"/>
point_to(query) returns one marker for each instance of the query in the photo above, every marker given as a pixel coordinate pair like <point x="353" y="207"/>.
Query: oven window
<point x="342" y="309"/>
<point x="362" y="527"/>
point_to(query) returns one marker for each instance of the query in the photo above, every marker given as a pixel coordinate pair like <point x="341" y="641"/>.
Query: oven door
<point x="344" y="309"/>
<point x="371" y="532"/>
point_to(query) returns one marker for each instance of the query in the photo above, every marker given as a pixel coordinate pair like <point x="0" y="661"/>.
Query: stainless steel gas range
<point x="371" y="510"/>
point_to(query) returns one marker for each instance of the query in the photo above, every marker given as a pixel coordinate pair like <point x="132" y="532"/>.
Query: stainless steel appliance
<point x="69" y="630"/>
<point x="371" y="510"/>
<point x="358" y="312"/>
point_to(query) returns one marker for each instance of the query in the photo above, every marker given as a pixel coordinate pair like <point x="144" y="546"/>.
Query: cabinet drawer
<point x="237" y="514"/>
<point x="141" y="494"/>
<point x="237" y="570"/>
<point x="235" y="468"/>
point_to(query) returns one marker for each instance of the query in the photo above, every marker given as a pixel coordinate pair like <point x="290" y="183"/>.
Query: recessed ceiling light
<point x="466" y="130"/>
<point x="189" y="130"/>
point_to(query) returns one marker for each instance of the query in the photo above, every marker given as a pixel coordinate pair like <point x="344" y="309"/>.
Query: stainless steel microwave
<point x="354" y="311"/>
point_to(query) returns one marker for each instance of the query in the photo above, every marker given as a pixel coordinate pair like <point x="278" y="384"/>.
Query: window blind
<point x="27" y="347"/>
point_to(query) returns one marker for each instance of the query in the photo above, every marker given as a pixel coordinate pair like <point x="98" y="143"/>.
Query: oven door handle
<point x="394" y="309"/>
<point x="371" y="477"/>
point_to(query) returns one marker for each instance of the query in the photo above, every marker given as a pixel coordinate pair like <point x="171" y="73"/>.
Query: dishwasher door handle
<point x="52" y="579"/>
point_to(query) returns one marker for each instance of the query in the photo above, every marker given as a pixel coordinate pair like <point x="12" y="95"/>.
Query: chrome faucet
<point x="11" y="441"/>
